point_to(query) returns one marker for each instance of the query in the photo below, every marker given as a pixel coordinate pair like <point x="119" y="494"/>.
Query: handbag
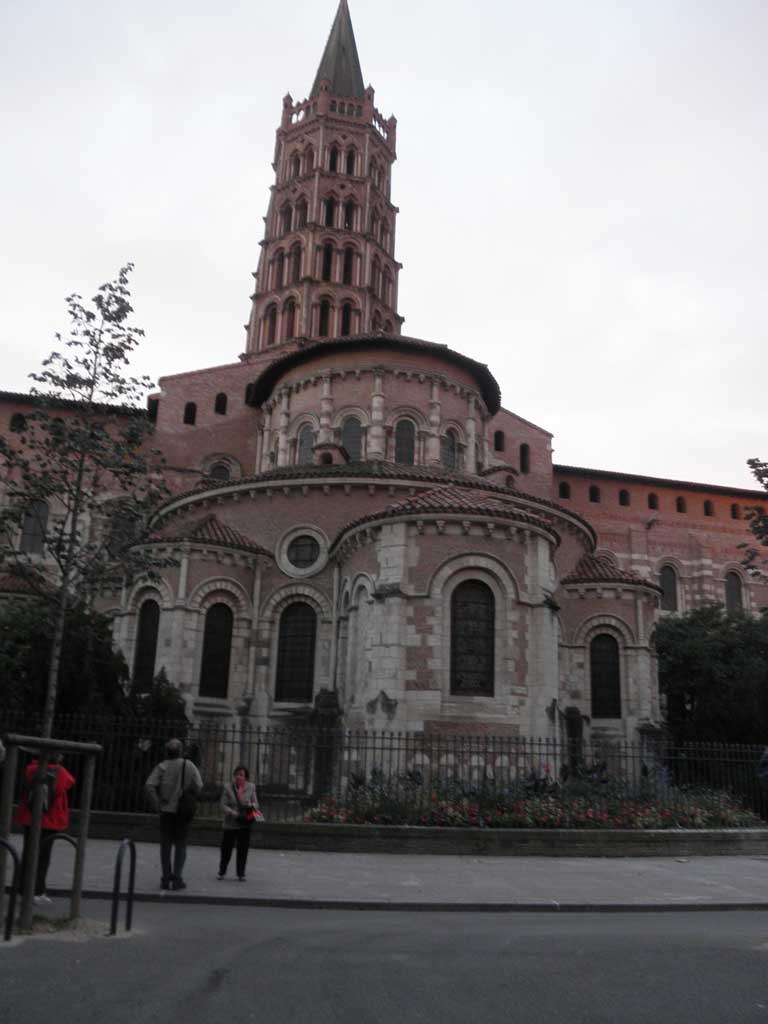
<point x="245" y="815"/>
<point x="187" y="805"/>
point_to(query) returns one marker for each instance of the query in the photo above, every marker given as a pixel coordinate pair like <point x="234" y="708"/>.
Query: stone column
<point x="282" y="442"/>
<point x="435" y="416"/>
<point x="376" y="433"/>
<point x="325" y="433"/>
<point x="470" y="427"/>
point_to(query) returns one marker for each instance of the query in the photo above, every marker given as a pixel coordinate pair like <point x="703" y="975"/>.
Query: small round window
<point x="303" y="551"/>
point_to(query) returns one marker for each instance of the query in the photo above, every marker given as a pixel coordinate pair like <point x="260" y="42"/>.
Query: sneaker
<point x="220" y="875"/>
<point x="178" y="885"/>
<point x="241" y="878"/>
<point x="41" y="898"/>
<point x="164" y="883"/>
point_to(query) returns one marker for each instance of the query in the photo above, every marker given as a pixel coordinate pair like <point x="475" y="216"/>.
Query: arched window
<point x="351" y="158"/>
<point x="349" y="263"/>
<point x="304" y="443"/>
<point x="296" y="653"/>
<point x="309" y="159"/>
<point x="220" y="471"/>
<point x="624" y="498"/>
<point x="564" y="490"/>
<point x="301" y="214"/>
<point x="271" y="325"/>
<point x="472" y="639"/>
<point x="653" y="501"/>
<point x="279" y="269"/>
<point x="352" y="438"/>
<point x="217" y="648"/>
<point x="735" y="511"/>
<point x="289" y="318"/>
<point x="295" y="264"/>
<point x="220" y="404"/>
<point x="405" y="443"/>
<point x="385" y="236"/>
<point x="327" y="267"/>
<point x="330" y="212"/>
<point x="709" y="508"/>
<point x="346" y="320"/>
<point x="146" y="646"/>
<point x="333" y="160"/>
<point x="190" y="413"/>
<point x="734" y="598"/>
<point x="33" y="528"/>
<point x="680" y="505"/>
<point x="668" y="581"/>
<point x="18" y="422"/>
<point x="376" y="324"/>
<point x="499" y="441"/>
<point x="376" y="275"/>
<point x="286" y="217"/>
<point x="449" y="449"/>
<point x="605" y="677"/>
<point x="386" y="290"/>
<point x="349" y="214"/>
<point x="594" y="494"/>
<point x="325" y="316"/>
<point x="295" y="165"/>
<point x="525" y="458"/>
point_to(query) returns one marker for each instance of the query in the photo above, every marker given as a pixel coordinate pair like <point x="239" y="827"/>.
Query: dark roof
<point x="68" y="403"/>
<point x="260" y="389"/>
<point x="599" y="569"/>
<point x="211" y="531"/>
<point x="658" y="481"/>
<point x="340" y="64"/>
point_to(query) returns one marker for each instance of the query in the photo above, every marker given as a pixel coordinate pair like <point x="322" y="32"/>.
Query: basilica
<point x="355" y="511"/>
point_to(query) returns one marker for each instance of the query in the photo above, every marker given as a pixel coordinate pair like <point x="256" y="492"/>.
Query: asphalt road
<point x="209" y="964"/>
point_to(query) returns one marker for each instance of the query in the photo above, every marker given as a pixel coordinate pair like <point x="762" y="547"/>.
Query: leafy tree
<point x="80" y="479"/>
<point x="713" y="669"/>
<point x="758" y="517"/>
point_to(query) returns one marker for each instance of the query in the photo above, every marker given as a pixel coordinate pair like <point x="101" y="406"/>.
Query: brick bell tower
<point x="327" y="266"/>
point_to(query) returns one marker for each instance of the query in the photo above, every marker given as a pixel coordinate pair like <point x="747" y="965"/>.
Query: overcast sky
<point x="583" y="195"/>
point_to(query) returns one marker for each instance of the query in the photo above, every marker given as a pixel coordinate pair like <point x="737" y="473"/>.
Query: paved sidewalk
<point x="391" y="881"/>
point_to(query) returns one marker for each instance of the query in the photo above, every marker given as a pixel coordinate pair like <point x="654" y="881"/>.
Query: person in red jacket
<point x="58" y="782"/>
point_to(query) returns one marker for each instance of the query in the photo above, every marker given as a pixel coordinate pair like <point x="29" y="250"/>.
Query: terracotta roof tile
<point x="211" y="531"/>
<point x="599" y="569"/>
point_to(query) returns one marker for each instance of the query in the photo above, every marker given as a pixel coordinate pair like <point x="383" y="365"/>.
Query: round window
<point x="303" y="551"/>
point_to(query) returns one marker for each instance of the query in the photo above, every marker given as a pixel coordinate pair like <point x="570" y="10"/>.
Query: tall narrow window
<point x="279" y="269"/>
<point x="349" y="262"/>
<point x="217" y="648"/>
<point x="668" y="581"/>
<point x="564" y="490"/>
<point x="376" y="275"/>
<point x="351" y="161"/>
<point x="325" y="316"/>
<point x="330" y="212"/>
<point x="735" y="511"/>
<point x="33" y="528"/>
<point x="405" y="443"/>
<point x="220" y="404"/>
<point x="146" y="646"/>
<point x="304" y="444"/>
<point x="594" y="494"/>
<point x="386" y="288"/>
<point x="352" y="438"/>
<point x="346" y="320"/>
<point x="498" y="441"/>
<point x="295" y="264"/>
<point x="349" y="214"/>
<point x="333" y="162"/>
<point x="309" y="159"/>
<point x="296" y="653"/>
<point x="653" y="501"/>
<point x="327" y="261"/>
<point x="605" y="677"/>
<point x="289" y="317"/>
<point x="525" y="458"/>
<point x="190" y="414"/>
<point x="285" y="219"/>
<point x="734" y="598"/>
<point x="376" y="323"/>
<point x="295" y="165"/>
<point x="709" y="508"/>
<point x="271" y="325"/>
<point x="301" y="214"/>
<point x="472" y="639"/>
<point x="680" y="505"/>
<point x="624" y="498"/>
<point x="448" y="449"/>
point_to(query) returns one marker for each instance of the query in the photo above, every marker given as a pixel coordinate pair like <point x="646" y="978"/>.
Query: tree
<point x="80" y="480"/>
<point x="713" y="670"/>
<point x="758" y="517"/>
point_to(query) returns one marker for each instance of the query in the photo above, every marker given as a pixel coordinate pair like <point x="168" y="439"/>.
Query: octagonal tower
<point x="327" y="265"/>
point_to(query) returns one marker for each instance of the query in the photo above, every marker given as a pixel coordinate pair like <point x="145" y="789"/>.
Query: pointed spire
<point x="340" y="64"/>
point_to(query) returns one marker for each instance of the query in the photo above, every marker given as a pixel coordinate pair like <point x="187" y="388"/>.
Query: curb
<point x="422" y="906"/>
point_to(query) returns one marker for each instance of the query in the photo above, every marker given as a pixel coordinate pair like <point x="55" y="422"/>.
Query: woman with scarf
<point x="241" y="809"/>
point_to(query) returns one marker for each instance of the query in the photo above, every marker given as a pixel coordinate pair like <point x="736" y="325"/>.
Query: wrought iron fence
<point x="300" y="770"/>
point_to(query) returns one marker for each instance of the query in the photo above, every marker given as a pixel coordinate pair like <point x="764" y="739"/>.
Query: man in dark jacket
<point x="167" y="781"/>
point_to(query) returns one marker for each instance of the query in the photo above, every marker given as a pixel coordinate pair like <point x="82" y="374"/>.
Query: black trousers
<point x="43" y="860"/>
<point x="173" y="846"/>
<point x="229" y="838"/>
